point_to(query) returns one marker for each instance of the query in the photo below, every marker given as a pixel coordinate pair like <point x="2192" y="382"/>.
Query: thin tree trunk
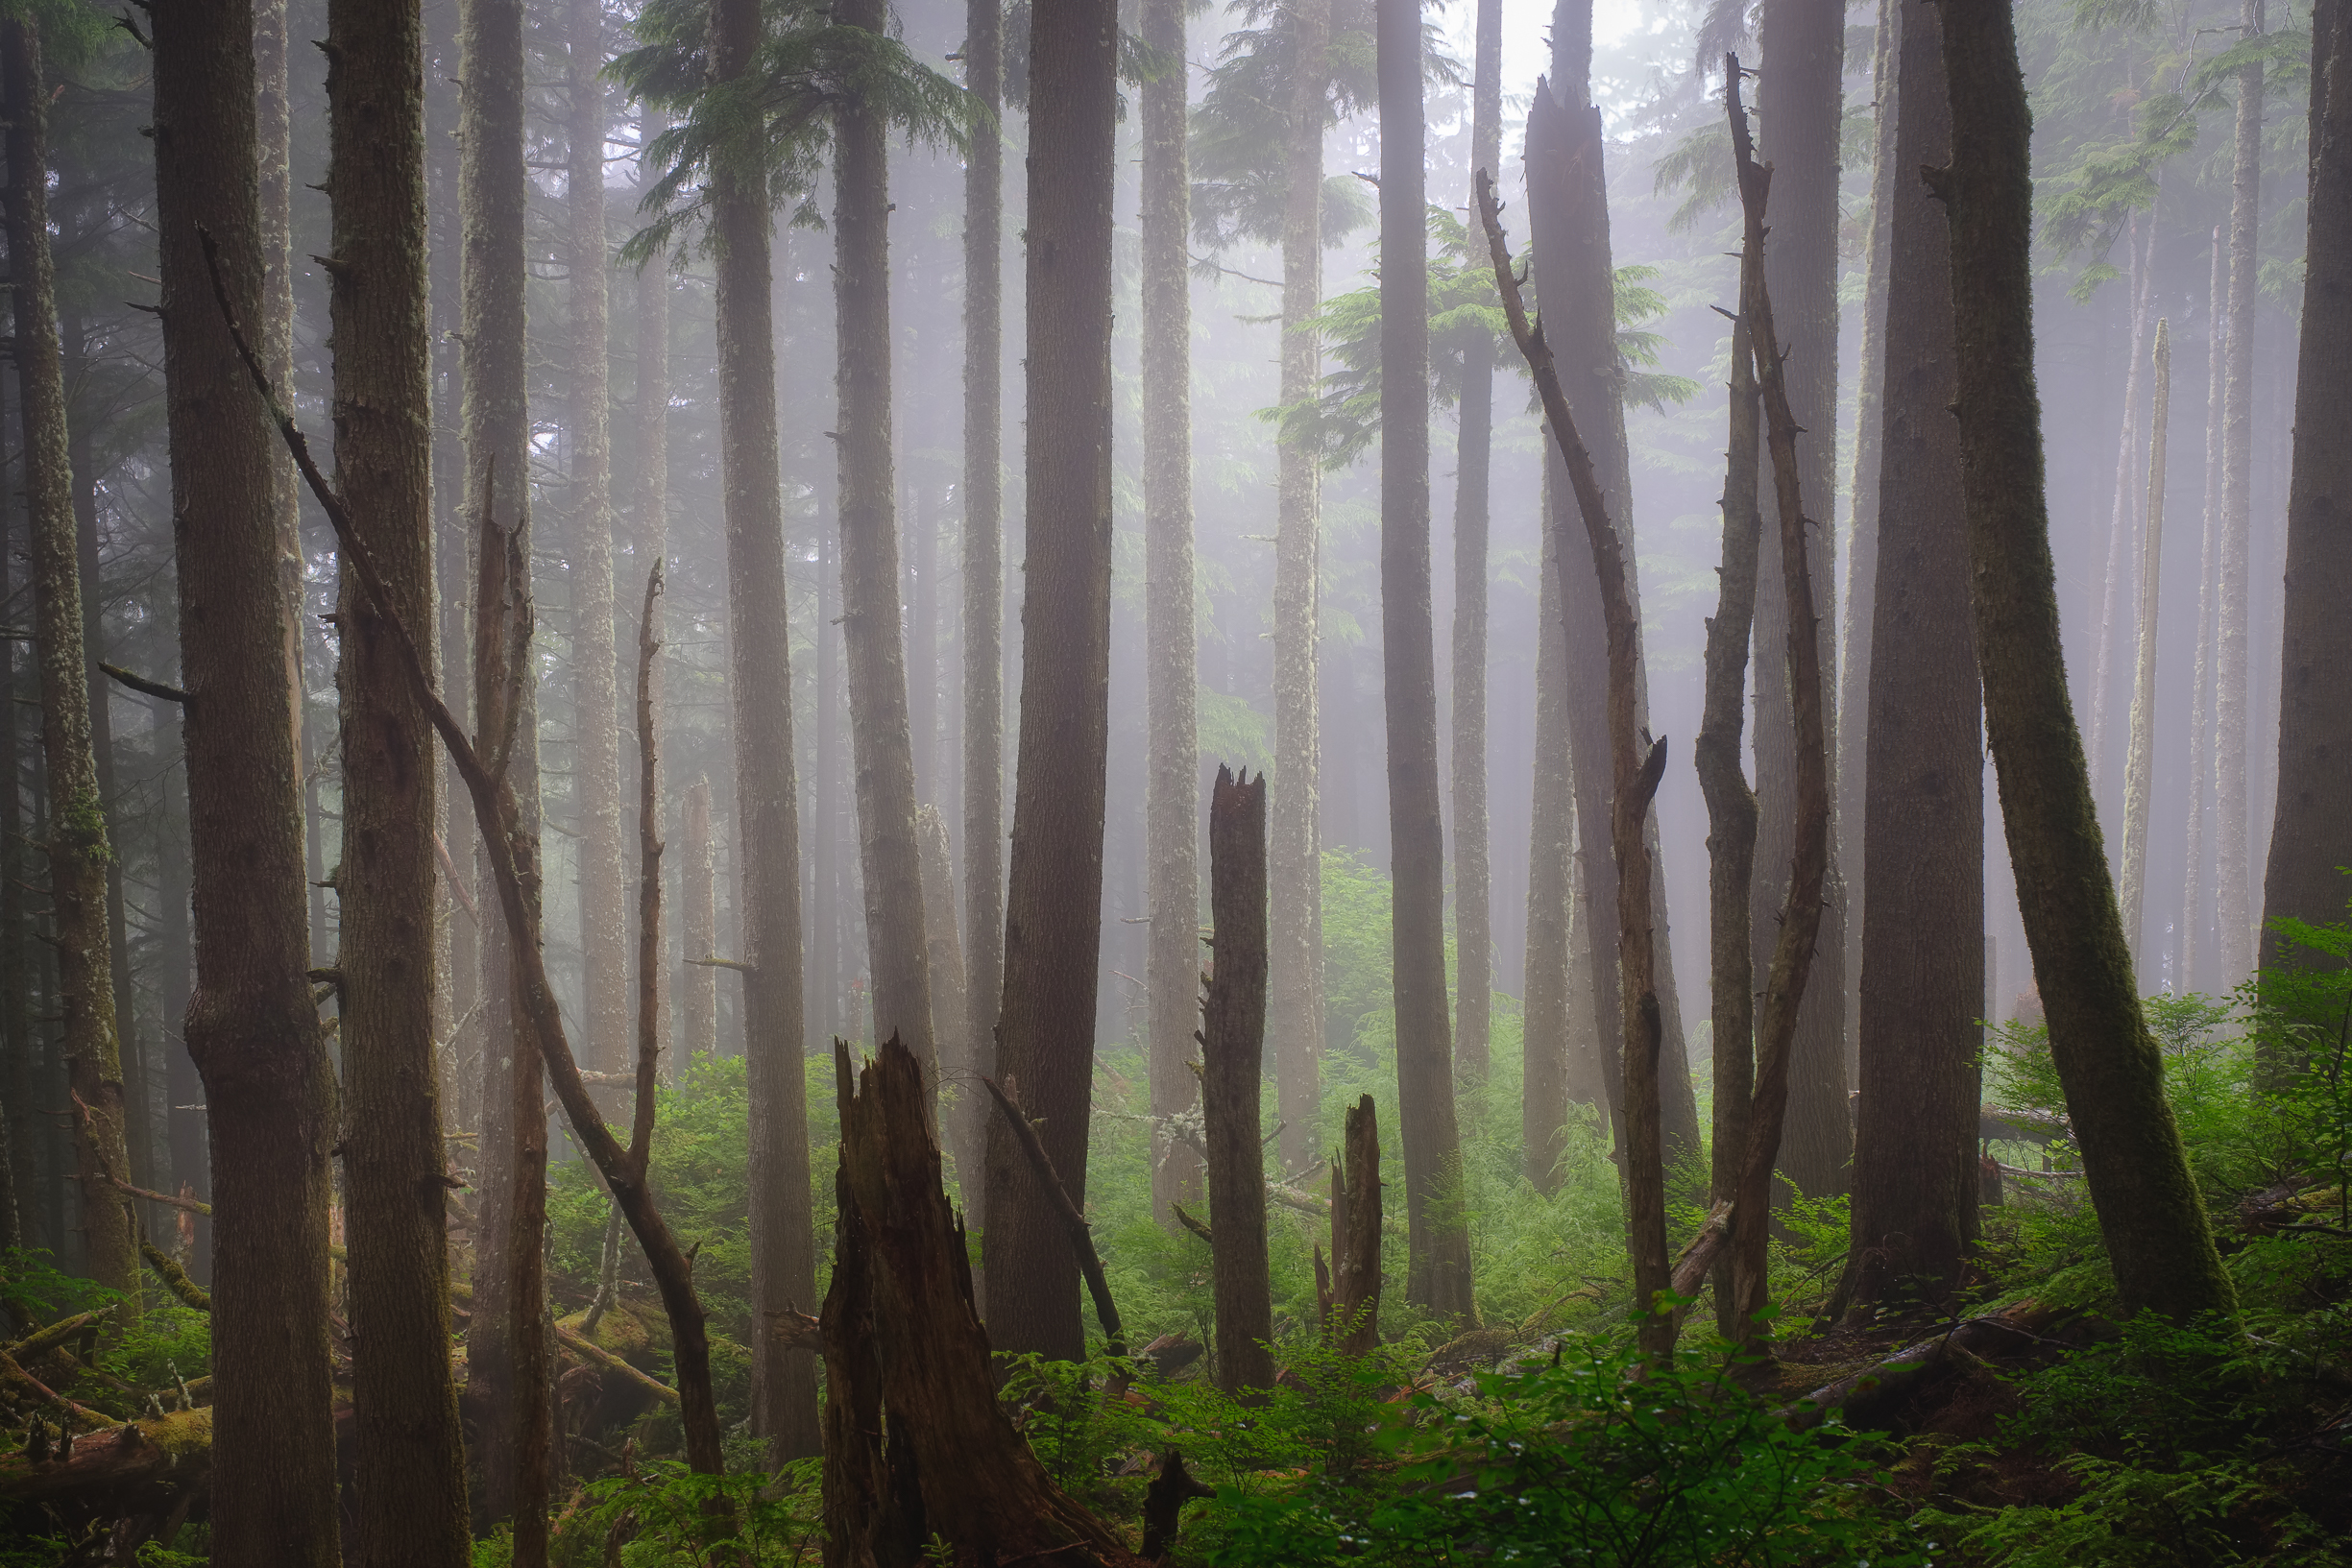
<point x="1862" y="541"/>
<point x="2139" y="777"/>
<point x="649" y="512"/>
<point x="698" y="1011"/>
<point x="78" y="851"/>
<point x="1548" y="1022"/>
<point x="407" y="1440"/>
<point x="2232" y="690"/>
<point x="1233" y="1063"/>
<point x="2308" y="837"/>
<point x="983" y="564"/>
<point x="828" y="887"/>
<point x="1923" y="934"/>
<point x="767" y="831"/>
<point x="1473" y="875"/>
<point x="1296" y="962"/>
<point x="2195" y="944"/>
<point x="1437" y="1228"/>
<point x="1171" y="677"/>
<point x="251" y="1026"/>
<point x="2139" y="1180"/>
<point x="1052" y="935"/>
<point x="2106" y="623"/>
<point x="898" y="957"/>
<point x="604" y="883"/>
<point x="962" y="1121"/>
<point x="1800" y="109"/>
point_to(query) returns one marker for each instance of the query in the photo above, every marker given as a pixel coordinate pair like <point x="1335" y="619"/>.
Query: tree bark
<point x="1548" y="1017"/>
<point x="2232" y="689"/>
<point x="984" y="563"/>
<point x="963" y="1124"/>
<point x="1473" y="875"/>
<point x="1923" y="934"/>
<point x="1351" y="1302"/>
<point x="78" y="851"/>
<point x="699" y="1012"/>
<point x="1171" y="678"/>
<point x="2195" y="945"/>
<point x="783" y="1235"/>
<point x="1053" y="932"/>
<point x="604" y="897"/>
<point x="2312" y="836"/>
<point x="1294" y="974"/>
<point x="897" y="955"/>
<point x="2105" y="617"/>
<point x="2154" y="1224"/>
<point x="1232" y="1053"/>
<point x="407" y="1440"/>
<point x="1800" y="109"/>
<point x="251" y="1026"/>
<point x="2139" y="774"/>
<point x="650" y="506"/>
<point x="29" y="1141"/>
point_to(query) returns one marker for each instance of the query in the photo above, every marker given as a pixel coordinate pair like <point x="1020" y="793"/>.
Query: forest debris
<point x="588" y="1350"/>
<point x="25" y="1385"/>
<point x="33" y="1346"/>
<point x="138" y="1466"/>
<point x="797" y="1330"/>
<point x="1870" y="1397"/>
<point x="175" y="1277"/>
<point x="2289" y="1206"/>
<point x="1163" y="1504"/>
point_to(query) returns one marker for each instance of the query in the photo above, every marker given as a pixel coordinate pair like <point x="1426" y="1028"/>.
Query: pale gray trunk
<point x="2231" y="690"/>
<point x="2139" y="774"/>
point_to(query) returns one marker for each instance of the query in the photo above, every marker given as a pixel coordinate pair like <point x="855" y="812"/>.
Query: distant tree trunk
<point x="1568" y="214"/>
<point x="78" y="851"/>
<point x="1547" y="1019"/>
<point x="1171" y="678"/>
<point x="2311" y="834"/>
<point x="767" y="831"/>
<point x="2106" y="622"/>
<point x="251" y="1028"/>
<point x="2194" y="947"/>
<point x="274" y="146"/>
<point x="183" y="1086"/>
<point x="407" y="1440"/>
<point x="604" y="882"/>
<point x="1473" y="877"/>
<point x="1296" y="864"/>
<point x="829" y="888"/>
<point x="1053" y="935"/>
<point x="2139" y="776"/>
<point x="1800" y="109"/>
<point x="504" y="1373"/>
<point x="1862" y="542"/>
<point x="649" y="506"/>
<point x="2232" y="693"/>
<point x="1923" y="934"/>
<point x="897" y="956"/>
<point x="1233" y="1054"/>
<point x="1437" y="1228"/>
<point x="984" y="564"/>
<point x="962" y="1123"/>
<point x="698" y="990"/>
<point x="2147" y="1204"/>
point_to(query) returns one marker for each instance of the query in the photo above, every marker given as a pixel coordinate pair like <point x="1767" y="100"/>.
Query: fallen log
<point x="1867" y="1398"/>
<point x="135" y="1468"/>
<point x="38" y="1344"/>
<point x="587" y="1349"/>
<point x="28" y="1387"/>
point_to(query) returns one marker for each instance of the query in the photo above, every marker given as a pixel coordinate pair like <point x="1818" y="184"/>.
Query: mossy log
<point x="139" y="1468"/>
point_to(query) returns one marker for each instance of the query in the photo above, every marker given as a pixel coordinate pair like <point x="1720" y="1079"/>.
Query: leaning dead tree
<point x="1636" y="763"/>
<point x="623" y="1168"/>
<point x="917" y="1448"/>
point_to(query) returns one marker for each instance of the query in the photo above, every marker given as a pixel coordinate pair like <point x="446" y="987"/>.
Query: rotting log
<point x="1868" y="1398"/>
<point x="953" y="1456"/>
<point x="136" y="1467"/>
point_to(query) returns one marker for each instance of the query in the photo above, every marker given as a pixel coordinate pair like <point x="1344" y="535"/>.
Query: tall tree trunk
<point x="1923" y="934"/>
<point x="28" y="1140"/>
<point x="1800" y="107"/>
<point x="2139" y="776"/>
<point x="78" y="851"/>
<point x="1232" y="1062"/>
<point x="2139" y="1180"/>
<point x="504" y="1369"/>
<point x="2195" y="945"/>
<point x="983" y="564"/>
<point x="1570" y="221"/>
<point x="137" y="1101"/>
<point x="2309" y="837"/>
<point x="1548" y="1022"/>
<point x="1053" y="935"/>
<point x="2232" y="693"/>
<point x="407" y="1441"/>
<point x="251" y="1026"/>
<point x="184" y="1127"/>
<point x="1296" y="963"/>
<point x="1171" y="676"/>
<point x="1436" y="1227"/>
<point x="828" y="887"/>
<point x="604" y="883"/>
<point x="767" y="831"/>
<point x="962" y="1125"/>
<point x="1473" y="877"/>
<point x="898" y="957"/>
<point x="2106" y="619"/>
<point x="649" y="512"/>
<point x="1862" y="540"/>
<point x="699" y="988"/>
